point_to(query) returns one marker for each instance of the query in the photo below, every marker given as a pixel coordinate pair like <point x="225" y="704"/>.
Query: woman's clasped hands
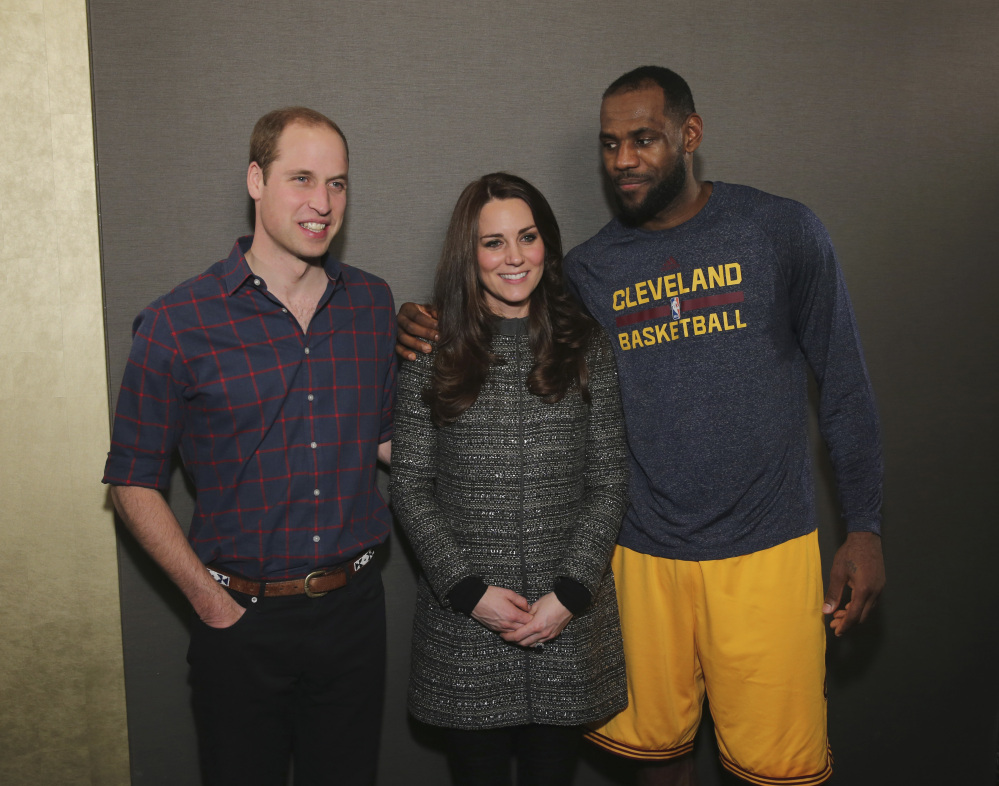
<point x="519" y="622"/>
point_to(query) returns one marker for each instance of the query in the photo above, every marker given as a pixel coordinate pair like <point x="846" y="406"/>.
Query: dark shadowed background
<point x="882" y="117"/>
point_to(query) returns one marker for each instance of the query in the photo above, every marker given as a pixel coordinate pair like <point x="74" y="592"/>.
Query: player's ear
<point x="693" y="131"/>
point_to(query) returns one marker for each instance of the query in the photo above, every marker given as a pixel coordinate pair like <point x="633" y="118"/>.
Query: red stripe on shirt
<point x="685" y="305"/>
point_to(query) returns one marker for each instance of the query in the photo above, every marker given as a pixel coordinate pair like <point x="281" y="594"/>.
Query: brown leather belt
<point x="315" y="585"/>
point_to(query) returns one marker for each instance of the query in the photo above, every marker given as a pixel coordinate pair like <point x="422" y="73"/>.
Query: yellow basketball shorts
<point x="749" y="632"/>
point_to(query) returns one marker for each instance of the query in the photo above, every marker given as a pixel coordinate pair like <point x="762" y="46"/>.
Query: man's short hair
<point x="268" y="130"/>
<point x="676" y="91"/>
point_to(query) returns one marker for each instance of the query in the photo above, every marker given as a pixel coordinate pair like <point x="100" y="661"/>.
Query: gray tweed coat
<point x="518" y="492"/>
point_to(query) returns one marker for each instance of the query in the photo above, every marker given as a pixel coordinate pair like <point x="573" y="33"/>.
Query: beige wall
<point x="62" y="708"/>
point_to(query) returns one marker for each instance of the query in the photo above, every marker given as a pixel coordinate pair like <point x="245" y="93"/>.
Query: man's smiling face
<point x="302" y="197"/>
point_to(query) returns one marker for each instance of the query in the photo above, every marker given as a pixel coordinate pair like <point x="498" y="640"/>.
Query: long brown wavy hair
<point x="559" y="330"/>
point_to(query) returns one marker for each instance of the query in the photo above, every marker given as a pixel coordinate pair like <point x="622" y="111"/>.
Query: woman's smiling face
<point x="511" y="256"/>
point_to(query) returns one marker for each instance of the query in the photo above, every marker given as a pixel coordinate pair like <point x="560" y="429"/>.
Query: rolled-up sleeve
<point x="147" y="421"/>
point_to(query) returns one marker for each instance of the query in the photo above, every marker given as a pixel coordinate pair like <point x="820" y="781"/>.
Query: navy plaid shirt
<point x="277" y="428"/>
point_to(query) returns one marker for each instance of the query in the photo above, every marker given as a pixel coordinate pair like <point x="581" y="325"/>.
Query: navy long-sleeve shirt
<point x="714" y="323"/>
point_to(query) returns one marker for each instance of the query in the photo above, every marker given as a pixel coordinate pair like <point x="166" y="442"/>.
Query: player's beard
<point x="660" y="196"/>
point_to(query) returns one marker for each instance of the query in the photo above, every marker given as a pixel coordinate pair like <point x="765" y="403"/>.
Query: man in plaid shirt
<point x="273" y="373"/>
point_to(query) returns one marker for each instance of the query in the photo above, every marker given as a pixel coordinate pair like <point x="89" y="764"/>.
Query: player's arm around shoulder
<point x="417" y="328"/>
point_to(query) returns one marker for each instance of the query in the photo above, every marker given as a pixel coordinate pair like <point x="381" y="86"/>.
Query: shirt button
<point x="315" y="493"/>
<point x="256" y="282"/>
<point x="315" y="538"/>
<point x="314" y="446"/>
<point x="285" y="310"/>
<point x="306" y="350"/>
<point x="311" y="397"/>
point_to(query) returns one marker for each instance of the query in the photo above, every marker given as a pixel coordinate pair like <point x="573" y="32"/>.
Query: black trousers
<point x="545" y="755"/>
<point x="296" y="679"/>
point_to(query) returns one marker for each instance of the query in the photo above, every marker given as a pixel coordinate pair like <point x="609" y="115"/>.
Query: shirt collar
<point x="236" y="270"/>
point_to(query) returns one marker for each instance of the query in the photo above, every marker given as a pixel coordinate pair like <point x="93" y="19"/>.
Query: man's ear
<point x="254" y="180"/>
<point x="693" y="131"/>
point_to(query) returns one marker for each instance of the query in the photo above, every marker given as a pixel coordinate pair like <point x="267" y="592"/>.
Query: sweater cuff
<point x="864" y="524"/>
<point x="573" y="595"/>
<point x="466" y="594"/>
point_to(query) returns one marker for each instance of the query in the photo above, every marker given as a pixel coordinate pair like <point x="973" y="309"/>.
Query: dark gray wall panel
<point x="883" y="117"/>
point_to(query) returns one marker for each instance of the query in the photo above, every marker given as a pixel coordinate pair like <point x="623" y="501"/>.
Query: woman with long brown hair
<point x="509" y="475"/>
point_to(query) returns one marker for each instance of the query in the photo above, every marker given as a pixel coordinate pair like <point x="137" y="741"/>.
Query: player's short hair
<point x="676" y="92"/>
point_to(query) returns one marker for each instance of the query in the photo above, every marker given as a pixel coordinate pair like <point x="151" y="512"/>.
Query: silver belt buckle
<point x="308" y="592"/>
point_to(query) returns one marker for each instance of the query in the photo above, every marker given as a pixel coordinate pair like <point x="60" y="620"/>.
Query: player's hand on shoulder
<point x="417" y="326"/>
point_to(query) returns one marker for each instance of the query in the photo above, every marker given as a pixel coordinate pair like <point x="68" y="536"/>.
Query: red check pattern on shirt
<point x="277" y="428"/>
